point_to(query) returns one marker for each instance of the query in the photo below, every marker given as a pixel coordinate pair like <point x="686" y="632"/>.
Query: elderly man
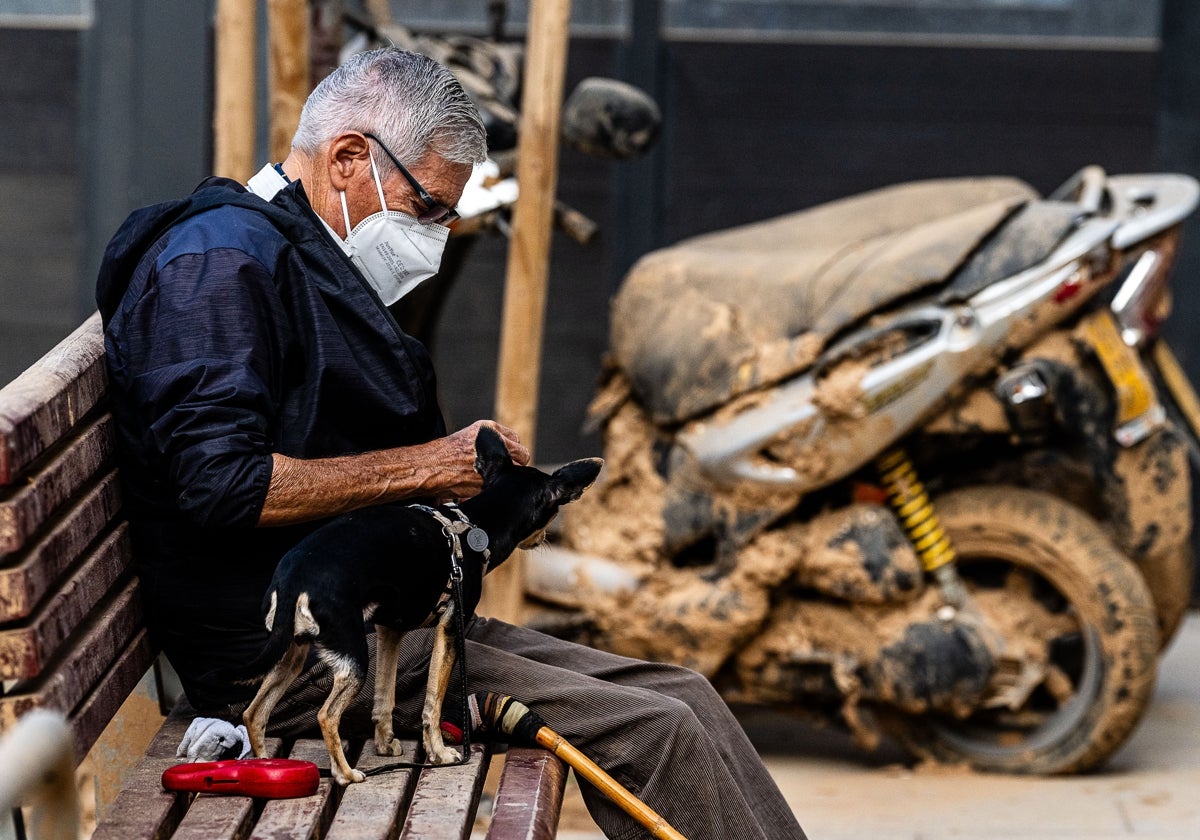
<point x="261" y="388"/>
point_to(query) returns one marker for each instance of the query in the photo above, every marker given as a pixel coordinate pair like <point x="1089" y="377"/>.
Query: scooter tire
<point x="1117" y="645"/>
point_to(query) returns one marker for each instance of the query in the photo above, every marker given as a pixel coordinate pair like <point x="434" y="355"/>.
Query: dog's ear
<point x="491" y="455"/>
<point x="570" y="481"/>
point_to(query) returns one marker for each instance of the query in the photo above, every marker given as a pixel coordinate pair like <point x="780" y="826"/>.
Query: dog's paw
<point x="445" y="755"/>
<point x="392" y="747"/>
<point x="344" y="779"/>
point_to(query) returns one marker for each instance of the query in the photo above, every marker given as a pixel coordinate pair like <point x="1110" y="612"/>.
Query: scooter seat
<point x="718" y="315"/>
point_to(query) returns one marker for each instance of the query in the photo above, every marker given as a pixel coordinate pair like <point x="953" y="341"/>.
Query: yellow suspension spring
<point x="913" y="508"/>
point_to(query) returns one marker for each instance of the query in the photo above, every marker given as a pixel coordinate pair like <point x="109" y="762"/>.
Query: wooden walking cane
<point x="607" y="785"/>
<point x="500" y="713"/>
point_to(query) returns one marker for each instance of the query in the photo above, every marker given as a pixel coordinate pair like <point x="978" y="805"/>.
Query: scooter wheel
<point x="1046" y="577"/>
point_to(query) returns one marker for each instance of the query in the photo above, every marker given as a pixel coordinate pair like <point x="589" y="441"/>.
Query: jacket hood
<point x="147" y="225"/>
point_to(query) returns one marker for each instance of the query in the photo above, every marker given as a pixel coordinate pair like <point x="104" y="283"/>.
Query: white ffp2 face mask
<point x="393" y="250"/>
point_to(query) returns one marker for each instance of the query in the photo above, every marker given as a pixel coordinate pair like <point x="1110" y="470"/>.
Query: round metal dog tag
<point x="477" y="539"/>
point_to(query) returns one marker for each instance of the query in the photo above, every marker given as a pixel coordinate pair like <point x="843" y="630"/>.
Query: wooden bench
<point x="73" y="639"/>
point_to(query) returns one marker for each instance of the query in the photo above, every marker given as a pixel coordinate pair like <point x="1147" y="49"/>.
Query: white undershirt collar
<point x="267" y="183"/>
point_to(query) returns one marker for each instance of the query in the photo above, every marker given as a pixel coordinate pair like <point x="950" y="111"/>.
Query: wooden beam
<point x="532" y="782"/>
<point x="118" y="626"/>
<point x="233" y="115"/>
<point x="520" y="362"/>
<point x="26" y="649"/>
<point x="533" y="216"/>
<point x="27" y="506"/>
<point x="43" y="403"/>
<point x="287" y="71"/>
<point x="370" y="809"/>
<point x="445" y="798"/>
<point x="35" y="572"/>
<point x="325" y="39"/>
<point x="307" y="816"/>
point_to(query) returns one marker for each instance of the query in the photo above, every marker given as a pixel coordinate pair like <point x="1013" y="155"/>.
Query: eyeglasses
<point x="435" y="214"/>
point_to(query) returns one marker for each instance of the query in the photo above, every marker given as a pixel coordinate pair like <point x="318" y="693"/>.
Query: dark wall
<point x="1178" y="150"/>
<point x="39" y="196"/>
<point x="793" y="125"/>
<point x="92" y="125"/>
<point x="755" y="130"/>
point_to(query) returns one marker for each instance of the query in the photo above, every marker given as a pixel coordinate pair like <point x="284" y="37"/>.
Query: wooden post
<point x="325" y="39"/>
<point x="529" y="254"/>
<point x="380" y="12"/>
<point x="287" y="71"/>
<point x="233" y="117"/>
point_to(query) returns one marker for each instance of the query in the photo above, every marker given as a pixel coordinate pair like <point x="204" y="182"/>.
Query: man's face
<point x="442" y="180"/>
<point x="344" y="166"/>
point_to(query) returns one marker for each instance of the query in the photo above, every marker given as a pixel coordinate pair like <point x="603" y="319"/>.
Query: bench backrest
<point x="72" y="636"/>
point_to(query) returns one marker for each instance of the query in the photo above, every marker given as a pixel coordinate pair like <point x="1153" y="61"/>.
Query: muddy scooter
<point x="915" y="462"/>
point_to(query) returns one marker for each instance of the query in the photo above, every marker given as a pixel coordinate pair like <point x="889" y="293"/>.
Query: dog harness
<point x="477" y="541"/>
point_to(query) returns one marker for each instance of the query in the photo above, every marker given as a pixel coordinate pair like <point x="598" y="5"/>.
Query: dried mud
<point x="703" y="618"/>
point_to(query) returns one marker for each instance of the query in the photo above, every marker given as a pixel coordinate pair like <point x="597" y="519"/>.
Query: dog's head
<point x="531" y="497"/>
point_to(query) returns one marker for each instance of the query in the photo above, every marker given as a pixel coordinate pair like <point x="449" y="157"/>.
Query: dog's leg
<point x="441" y="665"/>
<point x="273" y="687"/>
<point x="347" y="680"/>
<point x="387" y="657"/>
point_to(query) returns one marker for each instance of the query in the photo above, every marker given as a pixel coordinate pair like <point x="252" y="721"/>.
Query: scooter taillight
<point x="1144" y="298"/>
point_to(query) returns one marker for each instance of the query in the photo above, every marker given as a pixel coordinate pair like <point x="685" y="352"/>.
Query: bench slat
<point x="25" y="583"/>
<point x="27" y="506"/>
<point x="371" y="809"/>
<point x="309" y="816"/>
<point x="445" y="799"/>
<point x="43" y="403"/>
<point x="217" y="817"/>
<point x="71" y="679"/>
<point x="94" y="714"/>
<point x="529" y="799"/>
<point x="143" y="809"/>
<point x="26" y="651"/>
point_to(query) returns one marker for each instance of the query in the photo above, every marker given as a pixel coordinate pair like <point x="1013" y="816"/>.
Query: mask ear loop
<point x="345" y="212"/>
<point x="378" y="188"/>
<point x="378" y="183"/>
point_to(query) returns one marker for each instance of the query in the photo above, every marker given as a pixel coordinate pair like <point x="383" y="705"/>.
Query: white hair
<point x="409" y="101"/>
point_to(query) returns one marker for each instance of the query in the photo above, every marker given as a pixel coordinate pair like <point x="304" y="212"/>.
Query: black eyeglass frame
<point x="435" y="213"/>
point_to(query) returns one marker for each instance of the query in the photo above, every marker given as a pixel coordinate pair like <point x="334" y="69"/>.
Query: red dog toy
<point x="262" y="778"/>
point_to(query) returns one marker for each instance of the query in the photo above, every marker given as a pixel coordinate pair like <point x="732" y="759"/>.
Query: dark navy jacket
<point x="236" y="328"/>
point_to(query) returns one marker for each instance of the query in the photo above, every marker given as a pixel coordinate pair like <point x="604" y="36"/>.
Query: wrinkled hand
<point x="213" y="739"/>
<point x="459" y="457"/>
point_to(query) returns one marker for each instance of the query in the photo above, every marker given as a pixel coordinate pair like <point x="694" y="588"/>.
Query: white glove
<point x="212" y="739"/>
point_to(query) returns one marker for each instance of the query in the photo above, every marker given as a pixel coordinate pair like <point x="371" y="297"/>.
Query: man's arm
<point x="302" y="490"/>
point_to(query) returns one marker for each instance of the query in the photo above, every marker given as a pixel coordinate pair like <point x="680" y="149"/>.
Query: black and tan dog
<point x="391" y="565"/>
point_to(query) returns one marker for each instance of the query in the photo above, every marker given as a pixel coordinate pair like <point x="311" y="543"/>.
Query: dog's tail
<point x="292" y="618"/>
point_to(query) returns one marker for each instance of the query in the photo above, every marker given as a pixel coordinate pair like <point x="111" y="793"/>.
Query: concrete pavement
<point x="1150" y="789"/>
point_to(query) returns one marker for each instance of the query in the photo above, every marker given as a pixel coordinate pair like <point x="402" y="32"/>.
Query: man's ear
<point x="344" y="153"/>
<point x="571" y="480"/>
<point x="491" y="455"/>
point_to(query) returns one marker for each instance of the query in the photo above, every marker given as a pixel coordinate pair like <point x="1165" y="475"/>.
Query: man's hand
<point x="303" y="490"/>
<point x="461" y="457"/>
